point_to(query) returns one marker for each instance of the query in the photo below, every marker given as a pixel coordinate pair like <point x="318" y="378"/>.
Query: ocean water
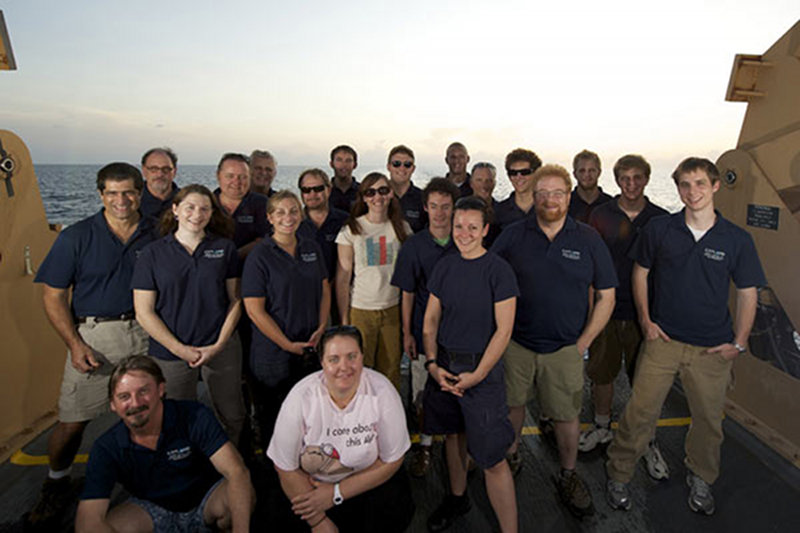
<point x="69" y="192"/>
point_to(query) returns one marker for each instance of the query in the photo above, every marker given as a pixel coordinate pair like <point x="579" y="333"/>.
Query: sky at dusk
<point x="100" y="81"/>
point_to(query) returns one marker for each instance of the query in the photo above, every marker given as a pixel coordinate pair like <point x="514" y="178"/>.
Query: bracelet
<point x="428" y="363"/>
<point x="324" y="517"/>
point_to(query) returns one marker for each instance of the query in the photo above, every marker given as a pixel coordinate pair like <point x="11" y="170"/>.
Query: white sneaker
<point x="590" y="438"/>
<point x="700" y="498"/>
<point x="656" y="465"/>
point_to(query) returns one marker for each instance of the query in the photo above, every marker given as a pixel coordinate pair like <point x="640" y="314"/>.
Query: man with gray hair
<point x="263" y="168"/>
<point x="159" y="166"/>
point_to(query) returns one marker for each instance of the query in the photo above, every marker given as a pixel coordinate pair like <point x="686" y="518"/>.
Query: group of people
<point x="496" y="303"/>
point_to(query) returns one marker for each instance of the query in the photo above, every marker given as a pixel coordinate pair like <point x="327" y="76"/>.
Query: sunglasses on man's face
<point x="519" y="172"/>
<point x="315" y="188"/>
<point x="398" y="164"/>
<point x="383" y="191"/>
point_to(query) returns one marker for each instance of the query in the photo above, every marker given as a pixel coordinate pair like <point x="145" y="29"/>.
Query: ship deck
<point x="758" y="490"/>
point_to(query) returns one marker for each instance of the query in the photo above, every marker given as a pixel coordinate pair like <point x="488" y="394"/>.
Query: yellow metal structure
<point x="761" y="192"/>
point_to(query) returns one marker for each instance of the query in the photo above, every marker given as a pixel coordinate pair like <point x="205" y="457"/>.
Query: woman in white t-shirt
<point x="368" y="245"/>
<point x="339" y="443"/>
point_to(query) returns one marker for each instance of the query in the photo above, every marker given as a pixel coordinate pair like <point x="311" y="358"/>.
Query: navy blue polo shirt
<point x="176" y="475"/>
<point x="88" y="257"/>
<point x="414" y="266"/>
<point x="468" y="290"/>
<point x="413" y="211"/>
<point x="691" y="279"/>
<point x="152" y="207"/>
<point x="250" y="218"/>
<point x="508" y="212"/>
<point x="343" y="200"/>
<point x="580" y="210"/>
<point x="465" y="188"/>
<point x="619" y="232"/>
<point x="192" y="299"/>
<point x="292" y="288"/>
<point x="325" y="235"/>
<point x="554" y="279"/>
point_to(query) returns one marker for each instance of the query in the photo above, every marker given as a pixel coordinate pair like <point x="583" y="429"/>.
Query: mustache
<point x="136" y="410"/>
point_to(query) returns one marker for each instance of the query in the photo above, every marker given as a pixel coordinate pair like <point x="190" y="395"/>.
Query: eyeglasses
<point x="160" y="170"/>
<point x="315" y="188"/>
<point x="398" y="164"/>
<point x="519" y="172"/>
<point x="555" y="195"/>
<point x="383" y="191"/>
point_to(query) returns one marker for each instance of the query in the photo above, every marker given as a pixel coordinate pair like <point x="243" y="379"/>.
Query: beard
<point x="550" y="215"/>
<point x="137" y="421"/>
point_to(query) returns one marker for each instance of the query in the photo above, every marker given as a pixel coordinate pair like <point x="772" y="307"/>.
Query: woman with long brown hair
<point x="368" y="247"/>
<point x="186" y="296"/>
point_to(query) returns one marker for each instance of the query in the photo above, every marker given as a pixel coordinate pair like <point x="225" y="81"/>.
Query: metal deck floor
<point x="758" y="491"/>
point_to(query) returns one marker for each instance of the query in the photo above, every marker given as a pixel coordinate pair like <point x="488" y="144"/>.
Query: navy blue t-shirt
<point x="468" y="290"/>
<point x="292" y="288"/>
<point x="250" y="218"/>
<point x="554" y="279"/>
<point x="413" y="211"/>
<point x="152" y="207"/>
<point x="508" y="212"/>
<point x="414" y="266"/>
<point x="176" y="475"/>
<point x="580" y="210"/>
<point x="325" y="236"/>
<point x="619" y="232"/>
<point x="192" y="299"/>
<point x="343" y="200"/>
<point x="88" y="257"/>
<point x="691" y="279"/>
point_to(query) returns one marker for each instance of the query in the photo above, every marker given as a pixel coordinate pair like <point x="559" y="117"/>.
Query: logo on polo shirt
<point x="309" y="257"/>
<point x="715" y="255"/>
<point x="179" y="454"/>
<point x="245" y="219"/>
<point x="573" y="255"/>
<point x="214" y="254"/>
<point x="412" y="214"/>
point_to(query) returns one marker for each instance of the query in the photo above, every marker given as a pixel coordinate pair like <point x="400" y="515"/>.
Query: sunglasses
<point x="398" y="164"/>
<point x="520" y="172"/>
<point x="383" y="191"/>
<point x="315" y="188"/>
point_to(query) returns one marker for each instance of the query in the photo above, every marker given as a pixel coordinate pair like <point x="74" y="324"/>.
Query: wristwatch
<point x="739" y="347"/>
<point x="337" y="495"/>
<point x="428" y="363"/>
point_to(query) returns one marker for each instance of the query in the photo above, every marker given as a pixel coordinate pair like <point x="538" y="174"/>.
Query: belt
<point x="124" y="316"/>
<point x="462" y="357"/>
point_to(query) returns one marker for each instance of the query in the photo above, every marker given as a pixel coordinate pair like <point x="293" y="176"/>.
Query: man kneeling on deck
<point x="169" y="455"/>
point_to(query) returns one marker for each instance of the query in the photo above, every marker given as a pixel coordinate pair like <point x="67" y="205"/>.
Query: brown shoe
<point x="54" y="499"/>
<point x="575" y="494"/>
<point x="420" y="461"/>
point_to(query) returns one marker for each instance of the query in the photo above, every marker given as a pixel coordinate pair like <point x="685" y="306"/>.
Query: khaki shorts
<point x="605" y="354"/>
<point x="557" y="376"/>
<point x="85" y="396"/>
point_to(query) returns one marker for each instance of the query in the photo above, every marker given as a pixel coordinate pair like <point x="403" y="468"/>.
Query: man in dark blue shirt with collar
<point x="263" y="169"/>
<point x="457" y="158"/>
<point x="93" y="259"/>
<point x="693" y="256"/>
<point x="173" y="457"/>
<point x="619" y="222"/>
<point x="587" y="194"/>
<point x="520" y="166"/>
<point x="344" y="161"/>
<point x="400" y="165"/>
<point x="557" y="261"/>
<point x="159" y="166"/>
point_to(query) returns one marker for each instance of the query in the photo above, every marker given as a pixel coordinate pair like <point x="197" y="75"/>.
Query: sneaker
<point x="575" y="494"/>
<point x="656" y="465"/>
<point x="700" y="498"/>
<point x="54" y="499"/>
<point x="451" y="508"/>
<point x="590" y="438"/>
<point x="420" y="461"/>
<point x="514" y="462"/>
<point x="617" y="495"/>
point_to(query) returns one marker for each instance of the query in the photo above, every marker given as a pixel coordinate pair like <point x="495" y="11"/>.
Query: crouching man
<point x="173" y="457"/>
